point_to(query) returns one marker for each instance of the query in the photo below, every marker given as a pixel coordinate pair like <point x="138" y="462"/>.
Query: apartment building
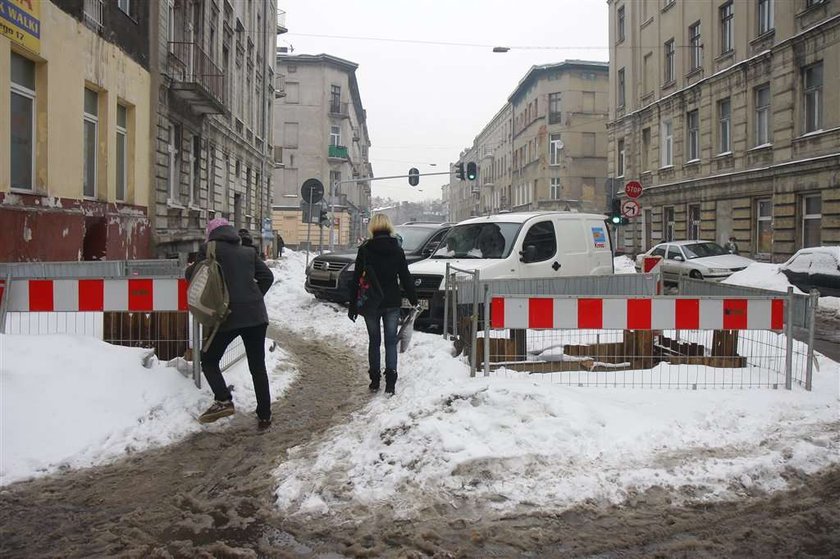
<point x="729" y="114"/>
<point x="213" y="82"/>
<point x="321" y="131"/>
<point x="74" y="131"/>
<point x="545" y="149"/>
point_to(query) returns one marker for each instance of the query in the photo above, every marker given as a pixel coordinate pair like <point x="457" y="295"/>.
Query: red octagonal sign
<point x="633" y="189"/>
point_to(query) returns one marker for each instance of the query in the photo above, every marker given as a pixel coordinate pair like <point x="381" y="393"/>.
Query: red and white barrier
<point x="81" y="295"/>
<point x="660" y="313"/>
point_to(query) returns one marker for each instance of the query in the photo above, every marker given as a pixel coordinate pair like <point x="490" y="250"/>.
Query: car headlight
<point x="351" y="267"/>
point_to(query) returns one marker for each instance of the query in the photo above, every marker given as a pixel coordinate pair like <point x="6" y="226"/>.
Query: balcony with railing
<point x="338" y="152"/>
<point x="340" y="109"/>
<point x="281" y="22"/>
<point x="196" y="79"/>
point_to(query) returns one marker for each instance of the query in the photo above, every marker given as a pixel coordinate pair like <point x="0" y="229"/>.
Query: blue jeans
<point x="390" y="320"/>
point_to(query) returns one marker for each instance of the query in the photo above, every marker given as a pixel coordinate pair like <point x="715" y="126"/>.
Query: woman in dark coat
<point x="382" y="252"/>
<point x="247" y="279"/>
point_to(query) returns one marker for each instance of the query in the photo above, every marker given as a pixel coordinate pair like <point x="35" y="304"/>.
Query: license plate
<point x="423" y="304"/>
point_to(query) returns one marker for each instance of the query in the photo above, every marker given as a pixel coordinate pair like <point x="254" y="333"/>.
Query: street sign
<point x="630" y="208"/>
<point x="633" y="189"/>
<point x="312" y="191"/>
<point x="311" y="212"/>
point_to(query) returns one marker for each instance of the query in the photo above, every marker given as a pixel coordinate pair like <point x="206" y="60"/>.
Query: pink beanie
<point x="215" y="224"/>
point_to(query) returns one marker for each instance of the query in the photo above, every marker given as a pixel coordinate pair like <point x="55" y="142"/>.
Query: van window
<point x="541" y="235"/>
<point x="478" y="240"/>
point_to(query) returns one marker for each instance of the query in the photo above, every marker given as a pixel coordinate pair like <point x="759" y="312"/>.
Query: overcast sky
<point x="427" y="102"/>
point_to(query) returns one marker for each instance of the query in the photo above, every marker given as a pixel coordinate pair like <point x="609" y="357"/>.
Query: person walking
<point x="248" y="279"/>
<point x="280" y="245"/>
<point x="383" y="254"/>
<point x="731" y="246"/>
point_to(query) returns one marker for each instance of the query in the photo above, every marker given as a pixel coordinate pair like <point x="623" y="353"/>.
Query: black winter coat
<point x="247" y="278"/>
<point x="386" y="257"/>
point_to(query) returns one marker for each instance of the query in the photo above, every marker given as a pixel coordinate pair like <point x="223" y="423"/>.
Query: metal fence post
<point x="196" y="352"/>
<point x="813" y="303"/>
<point x="445" y="300"/>
<point x="486" y="329"/>
<point x="474" y="332"/>
<point x="4" y="301"/>
<point x="789" y="340"/>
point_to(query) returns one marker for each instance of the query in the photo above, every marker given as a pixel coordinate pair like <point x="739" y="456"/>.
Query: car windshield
<point x="413" y="237"/>
<point x="702" y="250"/>
<point x="478" y="240"/>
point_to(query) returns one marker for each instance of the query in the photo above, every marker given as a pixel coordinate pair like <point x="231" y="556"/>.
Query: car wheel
<point x="695" y="274"/>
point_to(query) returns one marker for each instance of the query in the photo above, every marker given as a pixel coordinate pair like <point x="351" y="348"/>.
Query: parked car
<point x="528" y="245"/>
<point x="330" y="276"/>
<point x="695" y="259"/>
<point x="815" y="268"/>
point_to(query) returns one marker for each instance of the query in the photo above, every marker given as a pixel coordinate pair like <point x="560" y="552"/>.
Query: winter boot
<point x="217" y="411"/>
<point x="374" y="380"/>
<point x="390" y="380"/>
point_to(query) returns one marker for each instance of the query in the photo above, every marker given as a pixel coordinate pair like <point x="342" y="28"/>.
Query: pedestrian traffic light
<point x="472" y="171"/>
<point x="459" y="171"/>
<point x="324" y="219"/>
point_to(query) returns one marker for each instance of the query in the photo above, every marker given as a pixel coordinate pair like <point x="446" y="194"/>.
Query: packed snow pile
<point x="624" y="265"/>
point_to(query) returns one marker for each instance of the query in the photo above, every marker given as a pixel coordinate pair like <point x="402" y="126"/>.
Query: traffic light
<point x="615" y="214"/>
<point x="459" y="171"/>
<point x="413" y="176"/>
<point x="472" y="171"/>
<point x="324" y="219"/>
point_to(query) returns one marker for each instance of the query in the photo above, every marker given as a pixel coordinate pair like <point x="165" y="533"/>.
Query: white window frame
<point x="25" y="92"/>
<point x="809" y="217"/>
<point x="725" y="126"/>
<point x="555" y="144"/>
<point x="668" y="225"/>
<point x="726" y="13"/>
<point x="335" y="135"/>
<point x="759" y="219"/>
<point x="670" y="55"/>
<point x="554" y="188"/>
<point x="765" y="14"/>
<point x="622" y="97"/>
<point x="812" y="94"/>
<point x="195" y="178"/>
<point x="620" y="22"/>
<point x="173" y="190"/>
<point x="692" y="126"/>
<point x="89" y="118"/>
<point x="619" y="163"/>
<point x="667" y="144"/>
<point x="695" y="46"/>
<point x="122" y="131"/>
<point x="694" y="225"/>
<point x="762" y="116"/>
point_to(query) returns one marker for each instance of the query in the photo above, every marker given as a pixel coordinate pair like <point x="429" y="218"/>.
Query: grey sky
<point x="426" y="102"/>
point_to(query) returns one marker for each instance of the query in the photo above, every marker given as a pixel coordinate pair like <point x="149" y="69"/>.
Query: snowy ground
<point x="509" y="442"/>
<point x="768" y="276"/>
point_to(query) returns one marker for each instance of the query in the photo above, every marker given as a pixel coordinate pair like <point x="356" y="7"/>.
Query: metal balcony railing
<point x="193" y="71"/>
<point x="281" y="21"/>
<point x="338" y="152"/>
<point x="338" y="108"/>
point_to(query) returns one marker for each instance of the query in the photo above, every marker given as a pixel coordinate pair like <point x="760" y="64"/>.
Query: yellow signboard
<point x="20" y="21"/>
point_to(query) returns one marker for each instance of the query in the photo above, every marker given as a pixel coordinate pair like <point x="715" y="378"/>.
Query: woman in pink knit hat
<point x="247" y="279"/>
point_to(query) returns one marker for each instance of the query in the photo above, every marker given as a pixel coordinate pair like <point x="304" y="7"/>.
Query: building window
<point x="762" y="115"/>
<point x="726" y="27"/>
<point x="645" y="149"/>
<point x="811" y="220"/>
<point x="692" y="124"/>
<point x="619" y="24"/>
<point x="125" y="6"/>
<point x="22" y="123"/>
<point x="725" y="125"/>
<point x="765" y="16"/>
<point x="335" y="135"/>
<point x="90" y="142"/>
<point x="174" y="150"/>
<point x="122" y="152"/>
<point x="620" y="159"/>
<point x="812" y="3"/>
<point x="669" y="61"/>
<point x="621" y="88"/>
<point x="694" y="222"/>
<point x="335" y="99"/>
<point x="812" y="76"/>
<point x="554" y="108"/>
<point x="588" y="144"/>
<point x="195" y="170"/>
<point x="588" y="101"/>
<point x="554" y="189"/>
<point x="554" y="147"/>
<point x="695" y="46"/>
<point x="764" y="226"/>
<point x="667" y="143"/>
<point x="647" y="68"/>
<point x="668" y="224"/>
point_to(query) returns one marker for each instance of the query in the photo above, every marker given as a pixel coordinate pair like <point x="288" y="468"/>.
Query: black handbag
<point x="369" y="293"/>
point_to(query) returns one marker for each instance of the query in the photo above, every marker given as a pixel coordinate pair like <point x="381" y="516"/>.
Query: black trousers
<point x="253" y="338"/>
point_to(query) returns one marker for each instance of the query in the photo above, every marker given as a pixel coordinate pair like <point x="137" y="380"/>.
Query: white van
<point x="514" y="245"/>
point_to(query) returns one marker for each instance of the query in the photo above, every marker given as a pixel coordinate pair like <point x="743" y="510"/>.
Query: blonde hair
<point x="380" y="223"/>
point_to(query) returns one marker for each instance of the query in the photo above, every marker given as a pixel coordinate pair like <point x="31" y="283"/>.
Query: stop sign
<point x="633" y="189"/>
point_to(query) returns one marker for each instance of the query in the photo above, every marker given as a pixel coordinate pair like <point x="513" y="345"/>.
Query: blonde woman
<point x="382" y="253"/>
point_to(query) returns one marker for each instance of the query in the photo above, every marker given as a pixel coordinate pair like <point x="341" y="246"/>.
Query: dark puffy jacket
<point x="386" y="257"/>
<point x="247" y="278"/>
